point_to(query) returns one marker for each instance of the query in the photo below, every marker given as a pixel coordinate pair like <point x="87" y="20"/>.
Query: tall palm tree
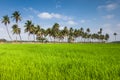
<point x="102" y="37"/>
<point x="99" y="34"/>
<point x="71" y="35"/>
<point x="55" y="30"/>
<point x="33" y="31"/>
<point x="115" y="34"/>
<point x="81" y="33"/>
<point x="17" y="17"/>
<point x="84" y="36"/>
<point x="106" y="37"/>
<point x="16" y="31"/>
<point x="49" y="33"/>
<point x="88" y="30"/>
<point x="38" y="30"/>
<point x="28" y="27"/>
<point x="65" y="33"/>
<point x="6" y="21"/>
<point x="88" y="33"/>
<point x="61" y="35"/>
<point x="76" y="34"/>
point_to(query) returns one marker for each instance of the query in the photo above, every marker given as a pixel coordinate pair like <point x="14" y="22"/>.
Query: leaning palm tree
<point x="115" y="34"/>
<point x="16" y="16"/>
<point x="32" y="31"/>
<point x="6" y="21"/>
<point x="16" y="31"/>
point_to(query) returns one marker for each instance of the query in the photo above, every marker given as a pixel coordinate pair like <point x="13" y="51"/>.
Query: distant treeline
<point x="53" y="34"/>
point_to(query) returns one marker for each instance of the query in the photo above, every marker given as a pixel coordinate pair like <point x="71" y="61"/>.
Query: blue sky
<point x="93" y="14"/>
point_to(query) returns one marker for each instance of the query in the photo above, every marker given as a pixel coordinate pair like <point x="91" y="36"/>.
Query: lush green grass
<point x="59" y="61"/>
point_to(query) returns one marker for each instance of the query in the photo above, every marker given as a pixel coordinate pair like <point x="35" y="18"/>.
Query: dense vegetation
<point x="54" y="33"/>
<point x="59" y="62"/>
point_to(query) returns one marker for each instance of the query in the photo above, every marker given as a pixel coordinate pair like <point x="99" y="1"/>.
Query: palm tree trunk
<point x="115" y="37"/>
<point x="54" y="39"/>
<point x="16" y="37"/>
<point x="81" y="39"/>
<point x="28" y="36"/>
<point x="20" y="37"/>
<point x="34" y="37"/>
<point x="8" y="32"/>
<point x="50" y="39"/>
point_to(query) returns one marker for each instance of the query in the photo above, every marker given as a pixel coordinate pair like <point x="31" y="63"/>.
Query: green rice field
<point x="59" y="61"/>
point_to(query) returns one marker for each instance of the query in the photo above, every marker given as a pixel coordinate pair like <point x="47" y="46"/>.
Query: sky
<point x="93" y="14"/>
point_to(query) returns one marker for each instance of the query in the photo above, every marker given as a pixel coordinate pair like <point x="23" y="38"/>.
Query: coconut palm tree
<point x="49" y="33"/>
<point x="71" y="35"/>
<point x="81" y="32"/>
<point x="33" y="31"/>
<point x="6" y="21"/>
<point x="84" y="36"/>
<point x="16" y="30"/>
<point x="115" y="34"/>
<point x="99" y="34"/>
<point x="76" y="34"/>
<point x="61" y="35"/>
<point x="106" y="37"/>
<point x="88" y="30"/>
<point x="88" y="33"/>
<point x="55" y="30"/>
<point x="28" y="27"/>
<point x="17" y="17"/>
<point x="65" y="33"/>
<point x="102" y="37"/>
<point x="38" y="30"/>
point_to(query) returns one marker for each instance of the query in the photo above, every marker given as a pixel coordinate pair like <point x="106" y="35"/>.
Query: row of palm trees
<point x="54" y="34"/>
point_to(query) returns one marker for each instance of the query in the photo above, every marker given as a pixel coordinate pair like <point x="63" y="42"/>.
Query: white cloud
<point x="109" y="7"/>
<point x="66" y="18"/>
<point x="118" y="25"/>
<point x="45" y="15"/>
<point x="58" y="16"/>
<point x="111" y="16"/>
<point x="71" y="22"/>
<point x="82" y="21"/>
